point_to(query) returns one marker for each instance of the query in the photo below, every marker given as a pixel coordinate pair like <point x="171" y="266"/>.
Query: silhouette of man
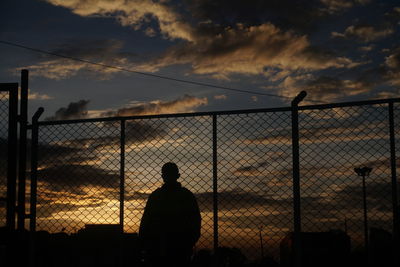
<point x="171" y="221"/>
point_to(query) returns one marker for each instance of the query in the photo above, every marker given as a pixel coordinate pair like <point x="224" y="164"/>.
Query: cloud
<point x="49" y="152"/>
<point x="186" y="21"/>
<point x="378" y="196"/>
<point x="367" y="48"/>
<point x="294" y="15"/>
<point x="74" y="110"/>
<point x="251" y="51"/>
<point x="136" y="13"/>
<point x="392" y="68"/>
<point x="387" y="94"/>
<point x="365" y="33"/>
<point x="326" y="210"/>
<point x="212" y="44"/>
<point x="78" y="110"/>
<point x="387" y="73"/>
<point x="59" y="154"/>
<point x="183" y="104"/>
<point x="323" y="88"/>
<point x="38" y="96"/>
<point x="335" y="6"/>
<point x="107" y="52"/>
<point x="251" y="170"/>
<point x="220" y="97"/>
<point x="87" y="148"/>
<point x="71" y="177"/>
<point x="231" y="200"/>
<point x="336" y="125"/>
<point x="393" y="60"/>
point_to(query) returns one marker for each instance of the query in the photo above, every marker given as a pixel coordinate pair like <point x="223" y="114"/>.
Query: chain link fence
<point x="102" y="171"/>
<point x="3" y="155"/>
<point x="333" y="142"/>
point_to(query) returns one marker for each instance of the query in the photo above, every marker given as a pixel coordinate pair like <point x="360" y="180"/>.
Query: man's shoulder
<point x="186" y="191"/>
<point x="155" y="193"/>
<point x="179" y="189"/>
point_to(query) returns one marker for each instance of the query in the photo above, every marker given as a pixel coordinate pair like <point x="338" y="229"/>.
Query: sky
<point x="336" y="50"/>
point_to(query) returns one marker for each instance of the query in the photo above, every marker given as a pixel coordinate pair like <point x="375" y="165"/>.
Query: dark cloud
<point x="368" y="30"/>
<point x="251" y="170"/>
<point x="92" y="49"/>
<point x="135" y="132"/>
<point x="47" y="153"/>
<point x="240" y="199"/>
<point x="51" y="203"/>
<point x="136" y="195"/>
<point x="387" y="73"/>
<point x="322" y="213"/>
<point x="325" y="88"/>
<point x="332" y="126"/>
<point x="74" y="110"/>
<point x="47" y="210"/>
<point x="58" y="153"/>
<point x="250" y="50"/>
<point x="378" y="196"/>
<point x="229" y="200"/>
<point x="289" y="15"/>
<point x="393" y="16"/>
<point x="366" y="33"/>
<point x="336" y="6"/>
<point x="70" y="177"/>
<point x="108" y="52"/>
<point x="297" y="15"/>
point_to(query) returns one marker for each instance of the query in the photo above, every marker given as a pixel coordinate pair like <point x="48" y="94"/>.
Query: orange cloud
<point x="134" y="13"/>
<point x="183" y="104"/>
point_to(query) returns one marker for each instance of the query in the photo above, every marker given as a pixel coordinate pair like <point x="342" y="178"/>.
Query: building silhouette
<point x="330" y="248"/>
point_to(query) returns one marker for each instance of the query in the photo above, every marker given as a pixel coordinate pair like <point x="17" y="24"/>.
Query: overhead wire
<point x="151" y="74"/>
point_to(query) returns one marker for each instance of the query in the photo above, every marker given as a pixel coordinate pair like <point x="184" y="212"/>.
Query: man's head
<point x="170" y="172"/>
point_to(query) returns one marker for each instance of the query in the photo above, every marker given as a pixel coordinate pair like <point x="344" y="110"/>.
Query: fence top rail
<point x="350" y="104"/>
<point x="229" y="112"/>
<point x="175" y="115"/>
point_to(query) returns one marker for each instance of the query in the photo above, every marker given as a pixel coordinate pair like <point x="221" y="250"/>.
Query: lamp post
<point x="363" y="172"/>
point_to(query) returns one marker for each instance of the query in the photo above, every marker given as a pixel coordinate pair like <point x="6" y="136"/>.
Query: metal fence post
<point x="34" y="164"/>
<point x="215" y="182"/>
<point x="12" y="155"/>
<point x="296" y="179"/>
<point x="122" y="191"/>
<point x="122" y="176"/>
<point x="23" y="121"/>
<point x="395" y="203"/>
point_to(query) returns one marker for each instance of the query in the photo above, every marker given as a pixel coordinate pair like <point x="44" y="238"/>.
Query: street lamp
<point x="363" y="172"/>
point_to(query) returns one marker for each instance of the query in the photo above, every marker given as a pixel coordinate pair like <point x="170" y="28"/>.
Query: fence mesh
<point x="79" y="172"/>
<point x="3" y="154"/>
<point x="396" y="115"/>
<point x="78" y="176"/>
<point x="254" y="181"/>
<point x="333" y="142"/>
